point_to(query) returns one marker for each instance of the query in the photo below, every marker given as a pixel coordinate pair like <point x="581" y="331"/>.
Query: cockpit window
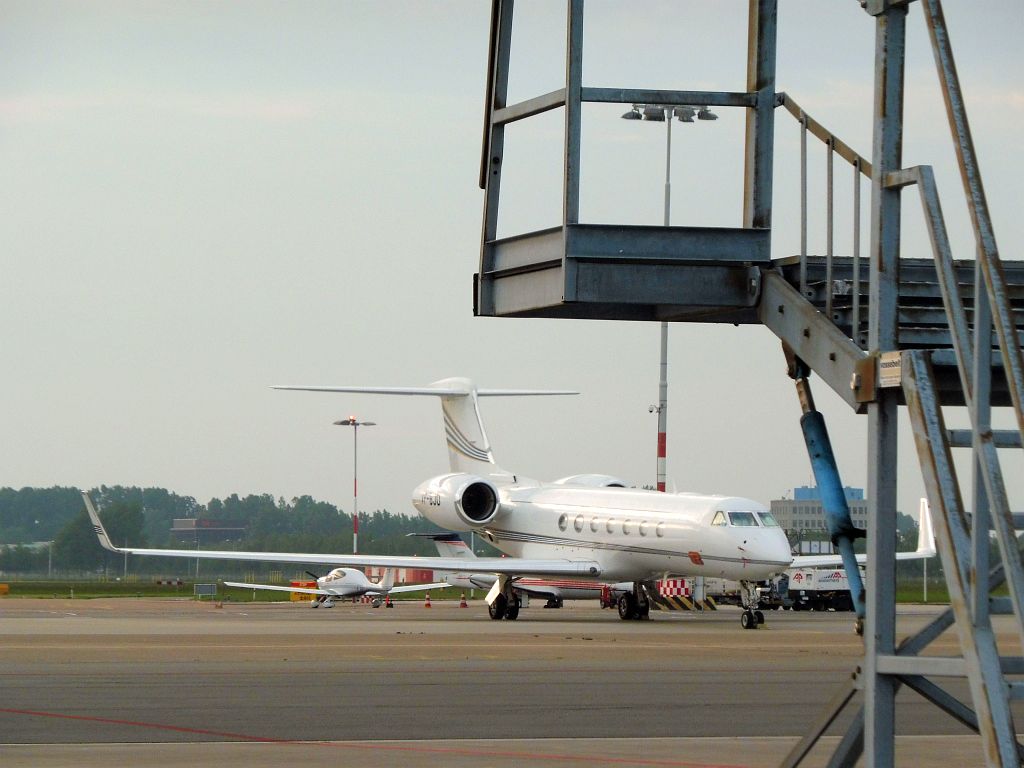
<point x="743" y="519"/>
<point x="719" y="519"/>
<point x="768" y="520"/>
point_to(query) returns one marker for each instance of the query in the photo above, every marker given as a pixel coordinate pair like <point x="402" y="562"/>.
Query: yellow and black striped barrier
<point x="683" y="603"/>
<point x="674" y="603"/>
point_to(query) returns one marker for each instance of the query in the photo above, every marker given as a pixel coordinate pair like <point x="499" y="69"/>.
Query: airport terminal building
<point x="803" y="517"/>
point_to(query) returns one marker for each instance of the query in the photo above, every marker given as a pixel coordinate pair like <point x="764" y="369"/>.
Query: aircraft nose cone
<point x="780" y="548"/>
<point x="770" y="547"/>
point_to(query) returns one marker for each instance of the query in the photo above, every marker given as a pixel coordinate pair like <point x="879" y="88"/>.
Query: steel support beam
<point x="841" y="364"/>
<point x="1001" y="438"/>
<point x="887" y="156"/>
<point x="760" y="133"/>
<point x="977" y="640"/>
<point x="669" y="98"/>
<point x="494" y="142"/>
<point x="970" y="173"/>
<point x="573" y="112"/>
<point x="535" y="106"/>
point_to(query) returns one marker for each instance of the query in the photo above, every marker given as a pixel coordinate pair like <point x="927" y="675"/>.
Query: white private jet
<point x="588" y="527"/>
<point x="345" y="582"/>
<point x="556" y="591"/>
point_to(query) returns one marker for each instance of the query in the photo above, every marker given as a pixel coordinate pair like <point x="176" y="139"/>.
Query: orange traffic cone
<point x="462" y="602"/>
<point x="426" y="601"/>
<point x="387" y="602"/>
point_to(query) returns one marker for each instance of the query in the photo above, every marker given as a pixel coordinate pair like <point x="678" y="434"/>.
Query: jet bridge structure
<point x="884" y="332"/>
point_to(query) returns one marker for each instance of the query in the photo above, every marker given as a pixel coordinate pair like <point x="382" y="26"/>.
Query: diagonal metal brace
<point x="828" y="716"/>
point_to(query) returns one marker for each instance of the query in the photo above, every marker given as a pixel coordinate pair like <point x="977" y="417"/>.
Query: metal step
<point x="843" y="362"/>
<point x="918" y="282"/>
<point x="922" y="317"/>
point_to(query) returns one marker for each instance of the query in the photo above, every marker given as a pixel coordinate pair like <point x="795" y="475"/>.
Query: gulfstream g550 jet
<point x="588" y="527"/>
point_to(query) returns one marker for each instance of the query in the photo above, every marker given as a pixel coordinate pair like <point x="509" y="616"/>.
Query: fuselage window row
<point x="579" y="522"/>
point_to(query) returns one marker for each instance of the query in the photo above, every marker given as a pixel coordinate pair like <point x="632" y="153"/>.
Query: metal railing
<point x="861" y="168"/>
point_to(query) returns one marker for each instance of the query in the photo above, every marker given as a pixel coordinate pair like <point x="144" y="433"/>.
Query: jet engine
<point x="459" y="502"/>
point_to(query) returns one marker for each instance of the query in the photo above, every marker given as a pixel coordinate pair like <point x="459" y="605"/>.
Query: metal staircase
<point x="882" y="332"/>
<point x="923" y="323"/>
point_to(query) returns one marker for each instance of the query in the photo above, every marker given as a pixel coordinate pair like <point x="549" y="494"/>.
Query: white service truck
<point x="798" y="589"/>
<point x="815" y="589"/>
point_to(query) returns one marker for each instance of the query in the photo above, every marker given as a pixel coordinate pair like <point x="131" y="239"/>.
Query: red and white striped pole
<point x="663" y="408"/>
<point x="355" y="486"/>
<point x="351" y="421"/>
<point x="663" y="378"/>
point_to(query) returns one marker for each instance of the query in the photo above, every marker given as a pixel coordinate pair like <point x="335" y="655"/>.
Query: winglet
<point x="925" y="532"/>
<point x="97" y="526"/>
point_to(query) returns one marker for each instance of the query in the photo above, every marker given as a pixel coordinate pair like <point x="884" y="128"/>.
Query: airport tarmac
<point x="179" y="682"/>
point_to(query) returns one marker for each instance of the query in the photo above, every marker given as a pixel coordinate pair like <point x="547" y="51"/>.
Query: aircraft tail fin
<point x="97" y="525"/>
<point x="452" y="545"/>
<point x="925" y="532"/>
<point x="469" y="450"/>
<point x="387" y="579"/>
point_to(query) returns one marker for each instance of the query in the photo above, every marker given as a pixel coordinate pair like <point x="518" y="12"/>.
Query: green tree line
<point x="142" y="517"/>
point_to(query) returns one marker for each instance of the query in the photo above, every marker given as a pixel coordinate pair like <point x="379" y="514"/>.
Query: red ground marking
<point x="590" y="759"/>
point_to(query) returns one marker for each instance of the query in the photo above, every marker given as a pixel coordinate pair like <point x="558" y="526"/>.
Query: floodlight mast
<point x="665" y="113"/>
<point x="351" y="421"/>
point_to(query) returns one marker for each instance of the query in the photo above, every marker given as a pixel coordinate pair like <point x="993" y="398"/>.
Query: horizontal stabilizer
<point x="436" y="392"/>
<point x="469" y="450"/>
<point x="446" y="391"/>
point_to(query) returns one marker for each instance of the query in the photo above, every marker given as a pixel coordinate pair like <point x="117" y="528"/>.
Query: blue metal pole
<point x="833" y="501"/>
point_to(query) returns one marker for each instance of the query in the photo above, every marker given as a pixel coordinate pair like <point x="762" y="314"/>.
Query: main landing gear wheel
<point x="512" y="611"/>
<point x="627" y="606"/>
<point x="759" y="616"/>
<point x="497" y="609"/>
<point x="748" y="620"/>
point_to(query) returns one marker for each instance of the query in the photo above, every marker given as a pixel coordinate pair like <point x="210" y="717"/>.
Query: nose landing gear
<point x="751" y="618"/>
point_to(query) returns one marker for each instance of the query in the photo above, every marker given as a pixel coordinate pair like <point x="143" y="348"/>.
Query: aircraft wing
<point x="275" y="588"/>
<point x="504" y="565"/>
<point x="925" y="546"/>
<point x="822" y="561"/>
<point x="419" y="587"/>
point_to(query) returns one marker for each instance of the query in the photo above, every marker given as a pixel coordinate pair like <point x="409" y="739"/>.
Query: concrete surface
<point x="177" y="682"/>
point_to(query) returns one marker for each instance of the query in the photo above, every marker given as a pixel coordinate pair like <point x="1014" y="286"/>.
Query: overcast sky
<point x="204" y="199"/>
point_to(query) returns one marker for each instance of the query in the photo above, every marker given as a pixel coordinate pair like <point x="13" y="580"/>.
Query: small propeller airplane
<point x="345" y="582"/>
<point x="588" y="527"/>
